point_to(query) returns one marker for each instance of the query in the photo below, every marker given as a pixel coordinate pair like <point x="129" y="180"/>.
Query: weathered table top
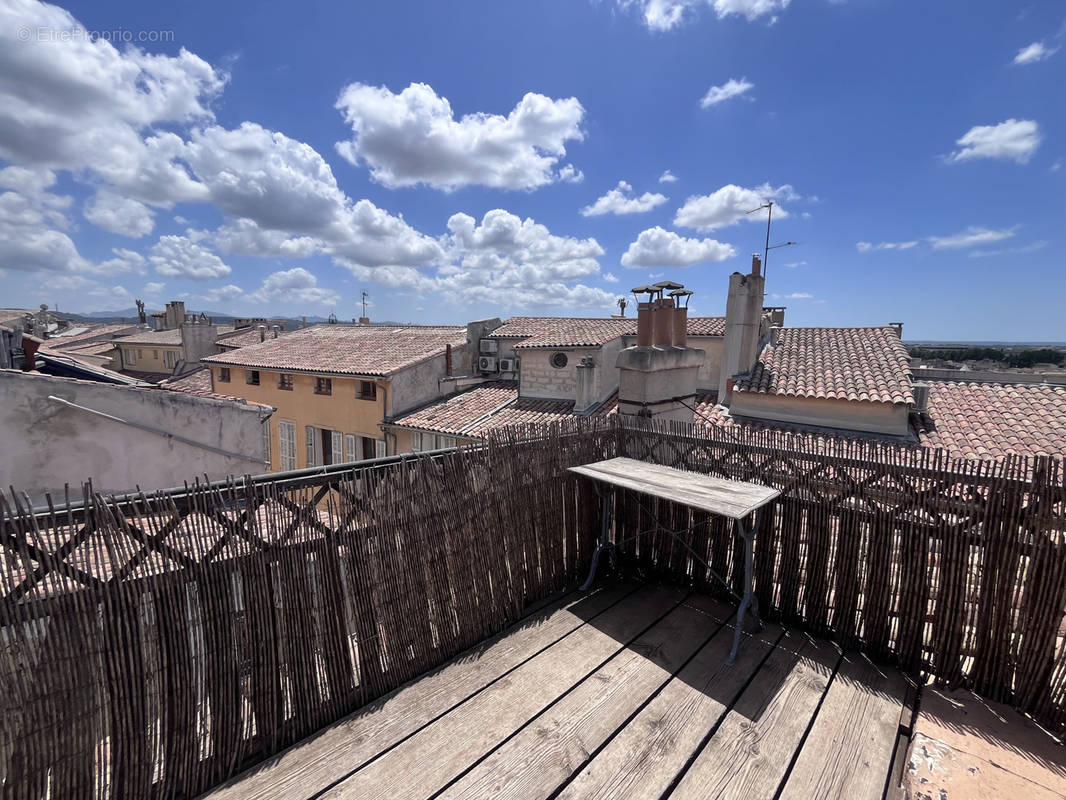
<point x="733" y="499"/>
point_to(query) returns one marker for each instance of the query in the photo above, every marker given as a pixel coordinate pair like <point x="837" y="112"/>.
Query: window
<point x="170" y="359"/>
<point x="312" y="456"/>
<point x="368" y="390"/>
<point x="287" y="444"/>
<point x="379" y="448"/>
<point x="131" y="356"/>
<point x="416" y="442"/>
<point x="139" y="353"/>
<point x="223" y="374"/>
<point x="350" y="452"/>
<point x="323" y="386"/>
<point x="266" y="442"/>
<point x="447" y="441"/>
<point x="155" y="354"/>
<point x="251" y="377"/>
<point x="558" y="360"/>
<point x="285" y="382"/>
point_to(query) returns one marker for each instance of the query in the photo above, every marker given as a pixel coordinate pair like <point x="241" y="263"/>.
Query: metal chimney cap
<point x="644" y="290"/>
<point x="669" y="285"/>
<point x="680" y="293"/>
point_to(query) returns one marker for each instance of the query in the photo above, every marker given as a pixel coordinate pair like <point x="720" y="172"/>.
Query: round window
<point x="558" y="360"/>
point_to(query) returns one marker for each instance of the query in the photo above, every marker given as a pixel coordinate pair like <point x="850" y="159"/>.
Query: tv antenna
<point x="622" y="303"/>
<point x="769" y="206"/>
<point x="365" y="296"/>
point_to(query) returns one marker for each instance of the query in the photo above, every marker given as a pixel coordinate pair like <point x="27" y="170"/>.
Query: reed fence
<point x="153" y="645"/>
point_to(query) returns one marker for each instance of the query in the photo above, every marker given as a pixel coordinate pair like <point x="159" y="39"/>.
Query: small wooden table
<point x="733" y="499"/>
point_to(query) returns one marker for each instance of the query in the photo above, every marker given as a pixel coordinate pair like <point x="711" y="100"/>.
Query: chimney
<point x="743" y="324"/>
<point x="198" y="340"/>
<point x="899" y="329"/>
<point x="657" y="376"/>
<point x="586" y="394"/>
<point x="775" y="335"/>
<point x="680" y="296"/>
<point x="274" y="331"/>
<point x="448" y="360"/>
<point x="175" y="314"/>
<point x="262" y="332"/>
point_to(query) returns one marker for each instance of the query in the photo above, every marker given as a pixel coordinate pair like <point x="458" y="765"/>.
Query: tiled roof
<point x="490" y="406"/>
<point x="163" y="338"/>
<point x="87" y="349"/>
<point x="588" y="331"/>
<point x="842" y="363"/>
<point x="990" y="420"/>
<point x="347" y="349"/>
<point x="98" y="334"/>
<point x="564" y="331"/>
<point x="243" y="338"/>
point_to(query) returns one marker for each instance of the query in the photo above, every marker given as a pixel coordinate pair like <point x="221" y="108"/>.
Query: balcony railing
<point x="155" y="644"/>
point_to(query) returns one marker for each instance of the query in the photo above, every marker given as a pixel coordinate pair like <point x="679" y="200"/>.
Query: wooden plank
<point x="333" y="753"/>
<point x="645" y="757"/>
<point x="733" y="499"/>
<point x="545" y="753"/>
<point x="750" y="752"/>
<point x="429" y="760"/>
<point x="848" y="752"/>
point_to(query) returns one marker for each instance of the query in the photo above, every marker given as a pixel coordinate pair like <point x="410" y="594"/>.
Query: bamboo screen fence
<point x="152" y="646"/>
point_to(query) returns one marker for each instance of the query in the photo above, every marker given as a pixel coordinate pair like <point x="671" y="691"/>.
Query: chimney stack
<point x="586" y="395"/>
<point x="657" y="376"/>
<point x="743" y="326"/>
<point x="274" y="331"/>
<point x="262" y="332"/>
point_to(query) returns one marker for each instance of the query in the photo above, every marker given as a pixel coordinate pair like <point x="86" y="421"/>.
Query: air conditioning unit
<point x="921" y="396"/>
<point x="489" y="346"/>
<point x="486" y="364"/>
<point x="508" y="365"/>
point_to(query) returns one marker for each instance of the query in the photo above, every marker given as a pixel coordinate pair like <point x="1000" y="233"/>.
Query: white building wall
<point x="47" y="444"/>
<point x="540" y="379"/>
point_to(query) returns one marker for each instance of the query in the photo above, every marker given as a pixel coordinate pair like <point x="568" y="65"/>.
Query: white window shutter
<point x="311" y="462"/>
<point x="416" y="442"/>
<point x="287" y="444"/>
<point x="379" y="448"/>
<point x="349" y="447"/>
<point x="266" y="442"/>
<point x="338" y="447"/>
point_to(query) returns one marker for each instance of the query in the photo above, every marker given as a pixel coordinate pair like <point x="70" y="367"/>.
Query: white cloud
<point x="667" y="177"/>
<point x="664" y="15"/>
<point x="181" y="257"/>
<point x="793" y="296"/>
<point x="414" y="138"/>
<point x="610" y="277"/>
<point x="124" y="261"/>
<point x="295" y="285"/>
<point x="1037" y="51"/>
<point x="866" y="247"/>
<point x="794" y="264"/>
<point x="28" y="239"/>
<point x="223" y="294"/>
<point x="728" y="90"/>
<point x="1057" y="165"/>
<point x="154" y="288"/>
<point x="118" y="214"/>
<point x="81" y="104"/>
<point x="571" y="174"/>
<point x="244" y="237"/>
<point x="656" y="247"/>
<point x="1032" y="247"/>
<point x="971" y="237"/>
<point x="620" y="200"/>
<point x="729" y="205"/>
<point x="1015" y="139"/>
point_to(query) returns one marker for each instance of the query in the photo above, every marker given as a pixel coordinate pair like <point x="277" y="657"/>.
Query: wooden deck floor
<point x="622" y="693"/>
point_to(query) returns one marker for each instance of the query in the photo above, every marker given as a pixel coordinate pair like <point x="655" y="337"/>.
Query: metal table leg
<point x="749" y="601"/>
<point x="606" y="495"/>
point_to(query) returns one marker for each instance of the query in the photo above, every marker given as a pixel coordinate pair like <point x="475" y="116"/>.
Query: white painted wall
<point x="47" y="444"/>
<point x="540" y="379"/>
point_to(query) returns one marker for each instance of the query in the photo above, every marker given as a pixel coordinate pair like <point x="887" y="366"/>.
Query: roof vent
<point x="921" y="397"/>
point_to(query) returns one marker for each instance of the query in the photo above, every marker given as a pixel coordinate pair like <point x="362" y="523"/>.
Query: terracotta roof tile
<point x="588" y="331"/>
<point x="858" y="364"/>
<point x="167" y="337"/>
<point x="244" y="337"/>
<point x="198" y="382"/>
<point x="347" y="349"/>
<point x="990" y="420"/>
<point x="490" y="406"/>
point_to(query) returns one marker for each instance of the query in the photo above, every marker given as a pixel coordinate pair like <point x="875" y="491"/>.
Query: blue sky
<point x="469" y="159"/>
